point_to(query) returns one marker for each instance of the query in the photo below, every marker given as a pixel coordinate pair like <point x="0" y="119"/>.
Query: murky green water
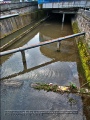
<point x="43" y="64"/>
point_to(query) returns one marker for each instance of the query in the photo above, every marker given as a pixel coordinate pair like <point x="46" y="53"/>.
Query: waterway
<point x="19" y="101"/>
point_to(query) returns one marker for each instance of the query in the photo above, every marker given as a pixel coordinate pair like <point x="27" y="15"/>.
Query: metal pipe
<point x="40" y="44"/>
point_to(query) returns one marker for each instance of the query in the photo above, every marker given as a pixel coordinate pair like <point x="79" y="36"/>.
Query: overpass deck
<point x="63" y="3"/>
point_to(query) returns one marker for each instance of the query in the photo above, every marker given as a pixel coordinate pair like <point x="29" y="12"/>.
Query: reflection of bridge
<point x="63" y="3"/>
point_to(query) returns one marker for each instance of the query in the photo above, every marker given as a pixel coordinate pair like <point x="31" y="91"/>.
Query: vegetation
<point x="47" y="87"/>
<point x="73" y="86"/>
<point x="75" y="27"/>
<point x="83" y="52"/>
<point x="60" y="89"/>
<point x="85" y="59"/>
<point x="72" y="101"/>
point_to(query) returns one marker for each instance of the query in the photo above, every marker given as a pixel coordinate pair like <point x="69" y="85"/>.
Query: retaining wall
<point x="17" y="5"/>
<point x="83" y="20"/>
<point x="15" y="23"/>
<point x="20" y="10"/>
<point x="27" y="12"/>
<point x="82" y="23"/>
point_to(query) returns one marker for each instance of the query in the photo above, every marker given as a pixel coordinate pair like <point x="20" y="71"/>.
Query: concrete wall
<point x="83" y="19"/>
<point x="17" y="5"/>
<point x="27" y="13"/>
<point x="15" y="23"/>
<point x="20" y="8"/>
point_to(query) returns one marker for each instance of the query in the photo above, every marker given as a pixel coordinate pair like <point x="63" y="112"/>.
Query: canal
<point x="19" y="101"/>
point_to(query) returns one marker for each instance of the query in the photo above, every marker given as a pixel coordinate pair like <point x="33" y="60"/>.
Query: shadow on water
<point x="19" y="101"/>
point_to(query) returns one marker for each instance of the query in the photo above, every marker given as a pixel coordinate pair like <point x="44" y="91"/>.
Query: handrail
<point x="39" y="44"/>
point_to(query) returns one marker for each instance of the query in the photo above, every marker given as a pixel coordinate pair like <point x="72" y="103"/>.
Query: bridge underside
<point x="64" y="4"/>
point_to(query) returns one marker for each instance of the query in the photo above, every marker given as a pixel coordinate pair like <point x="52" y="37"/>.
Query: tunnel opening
<point x="58" y="17"/>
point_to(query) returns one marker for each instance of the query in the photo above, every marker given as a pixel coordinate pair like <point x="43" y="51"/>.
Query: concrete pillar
<point x="58" y="46"/>
<point x="24" y="59"/>
<point x="63" y="17"/>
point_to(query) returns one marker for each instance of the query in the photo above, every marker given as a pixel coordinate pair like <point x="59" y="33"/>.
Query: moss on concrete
<point x="85" y="59"/>
<point x="83" y="52"/>
<point x="75" y="27"/>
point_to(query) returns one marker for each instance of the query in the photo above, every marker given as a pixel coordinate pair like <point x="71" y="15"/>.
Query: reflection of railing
<point x="26" y="70"/>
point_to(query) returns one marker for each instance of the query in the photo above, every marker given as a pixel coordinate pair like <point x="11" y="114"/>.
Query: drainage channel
<point x="19" y="101"/>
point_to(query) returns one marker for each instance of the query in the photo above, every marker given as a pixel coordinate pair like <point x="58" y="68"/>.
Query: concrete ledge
<point x="7" y="16"/>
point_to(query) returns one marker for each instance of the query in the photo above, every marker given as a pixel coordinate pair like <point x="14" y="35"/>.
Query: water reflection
<point x="62" y="26"/>
<point x="43" y="64"/>
<point x="31" y="58"/>
<point x="67" y="49"/>
<point x="37" y="56"/>
<point x="12" y="65"/>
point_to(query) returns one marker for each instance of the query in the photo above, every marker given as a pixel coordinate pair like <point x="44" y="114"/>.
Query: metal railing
<point x="21" y="49"/>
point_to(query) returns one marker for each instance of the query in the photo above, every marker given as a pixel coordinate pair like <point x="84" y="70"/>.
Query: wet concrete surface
<point x="46" y="65"/>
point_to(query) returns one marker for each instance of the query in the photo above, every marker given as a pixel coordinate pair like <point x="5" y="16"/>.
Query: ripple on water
<point x="58" y="73"/>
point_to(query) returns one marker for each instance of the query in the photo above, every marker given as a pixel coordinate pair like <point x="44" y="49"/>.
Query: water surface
<point x="43" y="64"/>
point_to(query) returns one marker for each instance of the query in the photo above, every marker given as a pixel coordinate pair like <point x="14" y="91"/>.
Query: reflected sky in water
<point x="46" y="65"/>
<point x="33" y="58"/>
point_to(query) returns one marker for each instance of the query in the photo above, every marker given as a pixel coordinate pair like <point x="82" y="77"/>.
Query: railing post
<point x="24" y="59"/>
<point x="58" y="46"/>
<point x="63" y="17"/>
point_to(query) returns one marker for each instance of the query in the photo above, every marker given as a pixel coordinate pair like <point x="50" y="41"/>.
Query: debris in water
<point x="60" y="89"/>
<point x="13" y="83"/>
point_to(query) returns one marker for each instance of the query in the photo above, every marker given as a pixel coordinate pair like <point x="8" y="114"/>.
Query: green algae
<point x="47" y="87"/>
<point x="83" y="53"/>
